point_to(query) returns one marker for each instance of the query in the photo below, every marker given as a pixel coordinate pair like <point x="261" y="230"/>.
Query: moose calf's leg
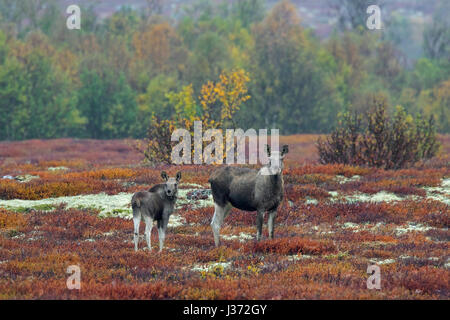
<point x="136" y="221"/>
<point x="270" y="223"/>
<point x="162" y="227"/>
<point x="148" y="231"/>
<point x="259" y="224"/>
<point x="162" y="236"/>
<point x="216" y="223"/>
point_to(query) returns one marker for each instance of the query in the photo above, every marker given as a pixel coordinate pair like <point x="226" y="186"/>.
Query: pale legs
<point x="162" y="227"/>
<point x="148" y="231"/>
<point x="220" y="214"/>
<point x="137" y="222"/>
<point x="270" y="222"/>
<point x="259" y="224"/>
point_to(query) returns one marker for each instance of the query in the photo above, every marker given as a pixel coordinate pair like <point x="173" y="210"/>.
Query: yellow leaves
<point x="229" y="92"/>
<point x="218" y="102"/>
<point x="254" y="269"/>
<point x="184" y="104"/>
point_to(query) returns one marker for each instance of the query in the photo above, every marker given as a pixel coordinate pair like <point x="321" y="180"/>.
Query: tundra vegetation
<point x="377" y="192"/>
<point x="335" y="220"/>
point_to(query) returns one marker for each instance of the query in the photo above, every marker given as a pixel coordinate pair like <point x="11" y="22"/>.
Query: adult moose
<point x="157" y="203"/>
<point x="249" y="190"/>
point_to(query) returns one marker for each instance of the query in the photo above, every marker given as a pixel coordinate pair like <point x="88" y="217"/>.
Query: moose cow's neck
<point x="275" y="181"/>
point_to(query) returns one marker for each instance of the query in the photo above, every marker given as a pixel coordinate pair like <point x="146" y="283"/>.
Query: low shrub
<point x="293" y="245"/>
<point x="378" y="141"/>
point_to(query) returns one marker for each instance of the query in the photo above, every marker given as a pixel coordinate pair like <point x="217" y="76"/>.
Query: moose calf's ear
<point x="164" y="176"/>
<point x="268" y="150"/>
<point x="285" y="150"/>
<point x="178" y="175"/>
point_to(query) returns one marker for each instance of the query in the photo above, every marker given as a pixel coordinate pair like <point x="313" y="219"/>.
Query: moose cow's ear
<point x="164" y="176"/>
<point x="268" y="150"/>
<point x="285" y="150"/>
<point x="178" y="175"/>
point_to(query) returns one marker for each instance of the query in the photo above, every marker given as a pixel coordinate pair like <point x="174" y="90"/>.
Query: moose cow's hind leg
<point x="148" y="231"/>
<point x="216" y="223"/>
<point x="259" y="224"/>
<point x="137" y="222"/>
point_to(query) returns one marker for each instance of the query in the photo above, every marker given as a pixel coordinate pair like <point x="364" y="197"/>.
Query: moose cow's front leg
<point x="270" y="222"/>
<point x="259" y="224"/>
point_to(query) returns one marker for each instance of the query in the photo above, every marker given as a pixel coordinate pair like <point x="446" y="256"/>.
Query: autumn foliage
<point x="217" y="103"/>
<point x="321" y="249"/>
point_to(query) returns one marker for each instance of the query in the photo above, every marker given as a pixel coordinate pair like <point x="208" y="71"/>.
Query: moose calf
<point x="157" y="203"/>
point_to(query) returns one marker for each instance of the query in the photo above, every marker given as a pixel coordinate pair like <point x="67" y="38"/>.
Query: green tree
<point x="35" y="97"/>
<point x="289" y="89"/>
<point x="109" y="104"/>
<point x="208" y="59"/>
<point x="248" y="11"/>
<point x="436" y="40"/>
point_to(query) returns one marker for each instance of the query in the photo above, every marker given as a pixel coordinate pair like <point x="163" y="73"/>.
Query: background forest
<point x="108" y="79"/>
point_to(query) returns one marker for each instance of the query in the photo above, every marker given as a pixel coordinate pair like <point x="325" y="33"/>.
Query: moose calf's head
<point x="171" y="185"/>
<point x="275" y="165"/>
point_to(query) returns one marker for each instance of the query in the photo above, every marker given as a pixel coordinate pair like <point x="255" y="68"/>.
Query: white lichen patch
<point x="380" y="261"/>
<point x="26" y="178"/>
<point x="441" y="193"/>
<point x="381" y="196"/>
<point x="333" y="194"/>
<point x="108" y="205"/>
<point x="343" y="179"/>
<point x="211" y="266"/>
<point x="447" y="264"/>
<point x="311" y="201"/>
<point x="355" y="227"/>
<point x="412" y="227"/>
<point x="242" y="237"/>
<point x="58" y="168"/>
<point x="322" y="229"/>
<point x="176" y="220"/>
<point x="200" y="203"/>
<point x="297" y="257"/>
<point x="446" y="184"/>
<point x="350" y="225"/>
